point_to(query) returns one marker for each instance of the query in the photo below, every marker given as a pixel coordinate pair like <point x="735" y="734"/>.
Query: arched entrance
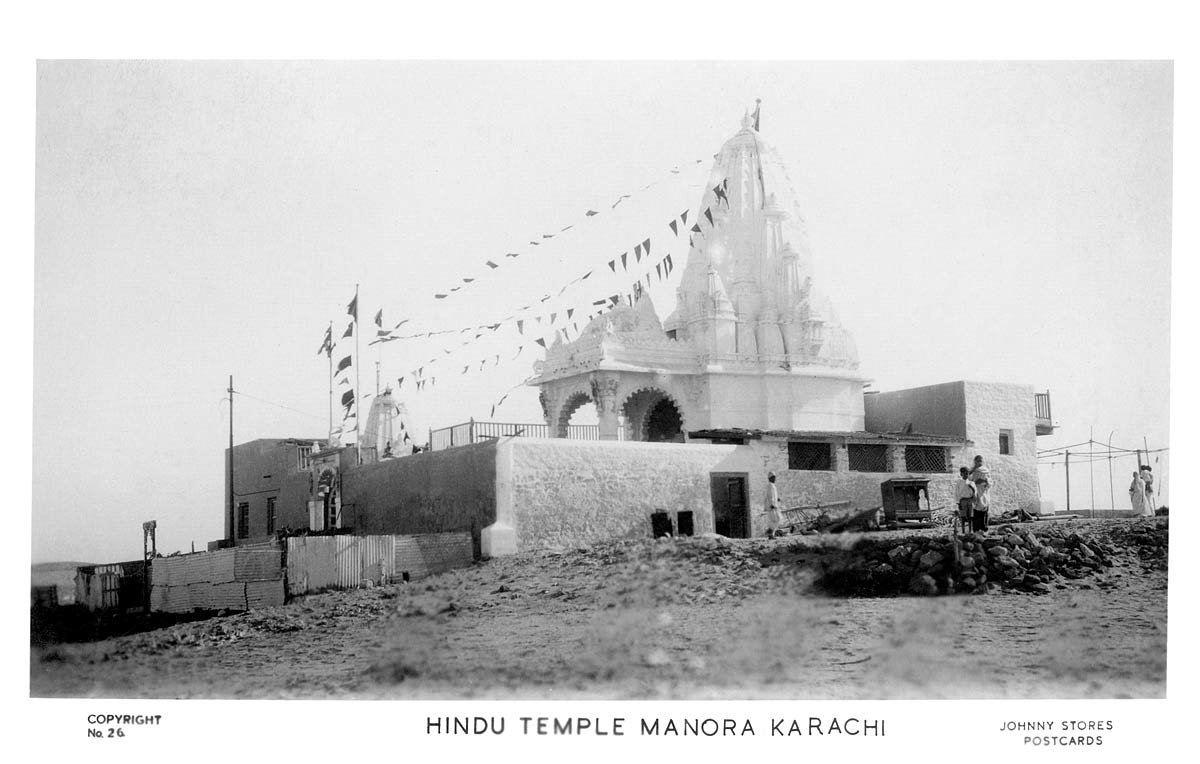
<point x="573" y="404"/>
<point x="664" y="423"/>
<point x="651" y="416"/>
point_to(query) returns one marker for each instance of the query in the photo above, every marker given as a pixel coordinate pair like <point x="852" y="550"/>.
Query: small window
<point x="271" y="514"/>
<point x="925" y="459"/>
<point x="243" y="530"/>
<point x="1006" y="442"/>
<point x="810" y="456"/>
<point x="303" y="457"/>
<point x="867" y="457"/>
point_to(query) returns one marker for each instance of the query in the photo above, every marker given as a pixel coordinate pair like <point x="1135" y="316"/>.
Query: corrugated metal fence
<point x="225" y="579"/>
<point x="250" y="577"/>
<point x="316" y="563"/>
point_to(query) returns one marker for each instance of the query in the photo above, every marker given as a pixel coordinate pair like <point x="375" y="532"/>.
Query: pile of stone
<point x="1011" y="557"/>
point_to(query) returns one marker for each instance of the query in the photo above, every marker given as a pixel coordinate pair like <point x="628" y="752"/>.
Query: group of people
<point x="973" y="492"/>
<point x="1141" y="491"/>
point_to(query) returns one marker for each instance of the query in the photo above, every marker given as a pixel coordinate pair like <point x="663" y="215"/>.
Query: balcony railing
<point x="1041" y="413"/>
<point x="476" y="432"/>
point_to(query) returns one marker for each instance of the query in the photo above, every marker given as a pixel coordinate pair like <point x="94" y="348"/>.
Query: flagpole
<point x="329" y="355"/>
<point x="357" y="380"/>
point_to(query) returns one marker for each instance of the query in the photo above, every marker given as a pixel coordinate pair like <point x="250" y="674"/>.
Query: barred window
<point x="303" y="457"/>
<point x="270" y="514"/>
<point x="867" y="457"/>
<point x="243" y="529"/>
<point x="809" y="456"/>
<point x="925" y="459"/>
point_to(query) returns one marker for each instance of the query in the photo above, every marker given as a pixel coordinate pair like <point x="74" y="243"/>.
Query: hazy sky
<point x="1007" y="222"/>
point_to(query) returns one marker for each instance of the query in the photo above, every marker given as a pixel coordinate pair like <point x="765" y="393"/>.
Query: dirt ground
<point x="687" y="618"/>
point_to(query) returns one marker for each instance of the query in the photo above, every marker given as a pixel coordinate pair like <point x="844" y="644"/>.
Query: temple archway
<point x="573" y="403"/>
<point x="652" y="416"/>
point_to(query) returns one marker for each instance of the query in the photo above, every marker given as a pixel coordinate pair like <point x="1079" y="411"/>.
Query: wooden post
<point x="1068" y="462"/>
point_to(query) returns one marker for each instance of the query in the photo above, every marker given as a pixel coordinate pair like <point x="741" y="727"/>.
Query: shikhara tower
<point x="751" y="343"/>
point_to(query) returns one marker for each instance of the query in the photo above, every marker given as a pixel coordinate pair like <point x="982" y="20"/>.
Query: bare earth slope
<point x="686" y="618"/>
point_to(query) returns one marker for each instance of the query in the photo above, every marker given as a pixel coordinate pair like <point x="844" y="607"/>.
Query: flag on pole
<point x="348" y="398"/>
<point x="343" y="364"/>
<point x="349" y="330"/>
<point x="352" y="308"/>
<point x="379" y="318"/>
<point x="327" y="345"/>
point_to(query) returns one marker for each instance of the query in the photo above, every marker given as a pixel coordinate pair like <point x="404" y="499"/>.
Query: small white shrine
<point x="751" y="344"/>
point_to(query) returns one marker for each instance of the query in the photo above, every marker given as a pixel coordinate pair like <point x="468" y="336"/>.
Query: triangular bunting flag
<point x="349" y="330"/>
<point x="348" y="398"/>
<point x="658" y="270"/>
<point x="612" y="265"/>
<point x="589" y="213"/>
<point x="491" y="265"/>
<point x="512" y="254"/>
<point x="570" y="312"/>
<point x="646" y="246"/>
<point x="342" y="364"/>
<point x="624" y="256"/>
<point x="352" y="308"/>
<point x="708" y="214"/>
<point x="683" y="217"/>
<point x="541" y="342"/>
<point x="674" y="227"/>
<point x="696" y="228"/>
<point x="379" y="318"/>
<point x="637" y="253"/>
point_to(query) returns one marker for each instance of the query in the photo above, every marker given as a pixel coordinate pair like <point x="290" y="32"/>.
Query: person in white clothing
<point x="774" y="515"/>
<point x="964" y="493"/>
<point x="1137" y="496"/>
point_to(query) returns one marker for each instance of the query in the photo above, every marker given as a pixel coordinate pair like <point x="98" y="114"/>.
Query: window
<point x="867" y="457"/>
<point x="1006" y="442"/>
<point x="303" y="457"/>
<point x="271" y="514"/>
<point x="925" y="459"/>
<point x="809" y="456"/>
<point x="243" y="529"/>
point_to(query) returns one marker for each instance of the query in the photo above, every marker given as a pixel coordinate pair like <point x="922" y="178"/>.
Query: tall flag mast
<point x="327" y="349"/>
<point x="353" y="311"/>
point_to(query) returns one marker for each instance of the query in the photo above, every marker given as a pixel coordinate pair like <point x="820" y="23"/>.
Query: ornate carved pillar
<point x="604" y="394"/>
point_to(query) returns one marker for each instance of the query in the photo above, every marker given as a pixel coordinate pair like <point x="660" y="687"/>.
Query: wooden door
<point x="731" y="504"/>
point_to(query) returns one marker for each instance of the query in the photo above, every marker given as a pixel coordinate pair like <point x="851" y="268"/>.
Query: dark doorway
<point x="663" y="423"/>
<point x="731" y="505"/>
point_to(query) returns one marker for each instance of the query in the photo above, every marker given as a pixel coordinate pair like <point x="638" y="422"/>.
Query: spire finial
<point x="757" y="109"/>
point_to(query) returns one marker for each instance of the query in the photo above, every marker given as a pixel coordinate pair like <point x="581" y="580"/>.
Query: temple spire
<point x="757" y="109"/>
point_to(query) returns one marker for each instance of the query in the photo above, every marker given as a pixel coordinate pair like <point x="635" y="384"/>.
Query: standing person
<point x="981" y="476"/>
<point x="1137" y="496"/>
<point x="774" y="517"/>
<point x="1148" y="479"/>
<point x="964" y="493"/>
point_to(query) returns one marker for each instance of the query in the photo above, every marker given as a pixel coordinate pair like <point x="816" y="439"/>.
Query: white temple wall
<point x="566" y="493"/>
<point x="783" y="402"/>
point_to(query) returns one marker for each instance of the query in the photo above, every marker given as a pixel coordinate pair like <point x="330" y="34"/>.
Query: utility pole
<point x="1091" y="473"/>
<point x="1068" y="463"/>
<point x="1112" y="499"/>
<point x="232" y="532"/>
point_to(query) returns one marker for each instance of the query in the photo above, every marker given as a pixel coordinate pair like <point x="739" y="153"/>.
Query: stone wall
<point x="990" y="408"/>
<point x="931" y="410"/>
<point x="431" y="492"/>
<point x="563" y="493"/>
<point x="810" y="487"/>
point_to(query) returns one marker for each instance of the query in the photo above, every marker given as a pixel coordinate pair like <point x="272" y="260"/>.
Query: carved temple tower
<point x="751" y="343"/>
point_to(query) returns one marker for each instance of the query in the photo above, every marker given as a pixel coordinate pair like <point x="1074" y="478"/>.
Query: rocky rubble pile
<point x="1022" y="558"/>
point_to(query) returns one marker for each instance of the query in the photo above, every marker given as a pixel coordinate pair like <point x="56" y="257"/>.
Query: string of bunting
<point x="662" y="269"/>
<point x="496" y="263"/>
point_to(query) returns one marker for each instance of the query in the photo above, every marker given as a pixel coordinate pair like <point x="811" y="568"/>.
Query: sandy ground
<point x="689" y="618"/>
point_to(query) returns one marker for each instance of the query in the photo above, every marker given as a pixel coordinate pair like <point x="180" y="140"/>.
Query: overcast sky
<point x="996" y="222"/>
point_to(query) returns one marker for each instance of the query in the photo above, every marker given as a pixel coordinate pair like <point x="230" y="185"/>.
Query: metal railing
<point x="1041" y="405"/>
<point x="477" y="432"/>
